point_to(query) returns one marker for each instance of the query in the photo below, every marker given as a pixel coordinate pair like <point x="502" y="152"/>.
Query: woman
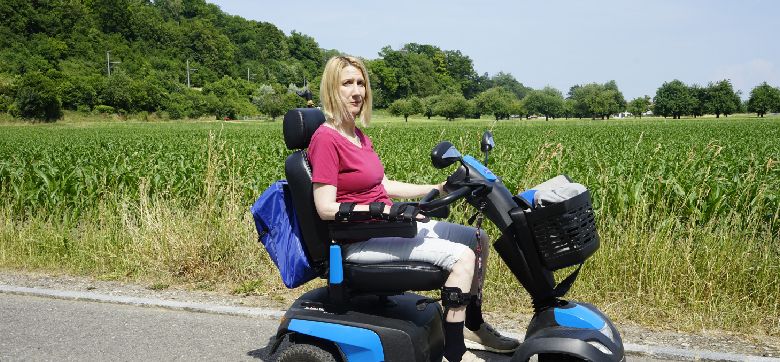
<point x="345" y="168"/>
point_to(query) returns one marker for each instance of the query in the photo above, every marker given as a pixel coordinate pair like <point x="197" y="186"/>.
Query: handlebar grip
<point x="430" y="196"/>
<point x="446" y="200"/>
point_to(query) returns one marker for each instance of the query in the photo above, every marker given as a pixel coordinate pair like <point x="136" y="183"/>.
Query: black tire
<point x="555" y="357"/>
<point x="304" y="352"/>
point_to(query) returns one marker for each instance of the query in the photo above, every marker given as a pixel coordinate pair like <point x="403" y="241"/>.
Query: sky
<point x="560" y="43"/>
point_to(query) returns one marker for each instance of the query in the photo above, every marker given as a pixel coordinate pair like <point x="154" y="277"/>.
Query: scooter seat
<point x="394" y="277"/>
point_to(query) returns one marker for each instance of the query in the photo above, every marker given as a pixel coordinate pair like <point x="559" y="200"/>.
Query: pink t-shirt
<point x="356" y="171"/>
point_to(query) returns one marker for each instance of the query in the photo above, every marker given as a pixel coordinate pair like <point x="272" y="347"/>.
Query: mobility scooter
<point x="366" y="312"/>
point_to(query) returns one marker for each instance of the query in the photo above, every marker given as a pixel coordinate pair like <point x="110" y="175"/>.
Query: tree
<point x="36" y="98"/>
<point x="673" y="99"/>
<point x="509" y="82"/>
<point x="547" y="102"/>
<point x="721" y="98"/>
<point x="117" y="92"/>
<point x="585" y="99"/>
<point x="7" y="93"/>
<point x="429" y="104"/>
<point x="639" y="106"/>
<point x="579" y="96"/>
<point x="406" y="107"/>
<point x="619" y="104"/>
<point x="605" y="103"/>
<point x="209" y="46"/>
<point x="113" y="16"/>
<point x="417" y="70"/>
<point x="461" y="69"/>
<point x="496" y="101"/>
<point x="78" y="93"/>
<point x="533" y="103"/>
<point x="763" y="99"/>
<point x="451" y="106"/>
<point x="305" y="49"/>
<point x="187" y="102"/>
<point x="473" y="111"/>
<point x="597" y="100"/>
<point x="384" y="82"/>
<point x="568" y="108"/>
<point x="275" y="102"/>
<point x="148" y="94"/>
<point x="233" y="99"/>
<point x="701" y="97"/>
<point x="518" y="108"/>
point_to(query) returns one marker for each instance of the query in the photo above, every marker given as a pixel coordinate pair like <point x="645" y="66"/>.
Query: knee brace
<point x="453" y="297"/>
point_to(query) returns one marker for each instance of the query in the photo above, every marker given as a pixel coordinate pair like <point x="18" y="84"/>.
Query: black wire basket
<point x="564" y="232"/>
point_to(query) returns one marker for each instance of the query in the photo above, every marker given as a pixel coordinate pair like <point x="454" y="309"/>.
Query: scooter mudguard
<point x="574" y="329"/>
<point x="369" y="330"/>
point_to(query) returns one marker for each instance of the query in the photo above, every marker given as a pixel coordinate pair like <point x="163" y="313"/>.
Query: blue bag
<point x="277" y="226"/>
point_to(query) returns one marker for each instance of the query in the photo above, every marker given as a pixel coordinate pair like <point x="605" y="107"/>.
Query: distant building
<point x="629" y="114"/>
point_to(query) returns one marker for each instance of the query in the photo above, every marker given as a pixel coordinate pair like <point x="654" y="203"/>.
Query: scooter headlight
<point x="600" y="347"/>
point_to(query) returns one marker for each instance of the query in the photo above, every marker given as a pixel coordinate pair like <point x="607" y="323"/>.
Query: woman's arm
<point x="403" y="190"/>
<point x="325" y="202"/>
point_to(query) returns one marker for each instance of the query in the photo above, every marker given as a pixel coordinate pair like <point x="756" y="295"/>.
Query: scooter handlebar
<point x="428" y="204"/>
<point x="430" y="196"/>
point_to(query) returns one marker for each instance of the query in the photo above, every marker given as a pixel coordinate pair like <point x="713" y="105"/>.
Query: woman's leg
<point x="431" y="246"/>
<point x="474" y="310"/>
<point x="479" y="334"/>
<point x="461" y="276"/>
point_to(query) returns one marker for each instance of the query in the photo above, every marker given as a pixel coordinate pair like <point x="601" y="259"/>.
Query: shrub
<point x="77" y="94"/>
<point x="37" y="98"/>
<point x="104" y="109"/>
<point x="5" y="102"/>
<point x="84" y="109"/>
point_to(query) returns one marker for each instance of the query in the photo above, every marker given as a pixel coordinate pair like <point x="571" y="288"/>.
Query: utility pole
<point x="188" y="72"/>
<point x="249" y="76"/>
<point x="109" y="62"/>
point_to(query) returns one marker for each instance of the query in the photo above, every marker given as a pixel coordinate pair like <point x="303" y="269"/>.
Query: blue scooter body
<point x="370" y="329"/>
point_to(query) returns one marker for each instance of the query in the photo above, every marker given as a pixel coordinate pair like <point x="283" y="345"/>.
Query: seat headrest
<point x="299" y="125"/>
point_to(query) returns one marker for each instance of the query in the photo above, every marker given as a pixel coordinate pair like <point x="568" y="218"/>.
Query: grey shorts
<point x="437" y="242"/>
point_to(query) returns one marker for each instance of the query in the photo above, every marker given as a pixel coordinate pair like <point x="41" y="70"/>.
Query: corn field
<point x="688" y="210"/>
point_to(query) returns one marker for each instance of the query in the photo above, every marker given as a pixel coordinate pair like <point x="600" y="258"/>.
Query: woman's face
<point x="352" y="89"/>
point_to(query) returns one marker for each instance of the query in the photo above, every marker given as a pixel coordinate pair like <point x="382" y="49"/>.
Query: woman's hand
<point x="441" y="189"/>
<point x="418" y="217"/>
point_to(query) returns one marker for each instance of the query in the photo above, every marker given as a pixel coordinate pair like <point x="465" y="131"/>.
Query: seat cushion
<point x="394" y="277"/>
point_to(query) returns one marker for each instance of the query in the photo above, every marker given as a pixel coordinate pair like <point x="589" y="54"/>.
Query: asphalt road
<point x="46" y="329"/>
<point x="35" y="328"/>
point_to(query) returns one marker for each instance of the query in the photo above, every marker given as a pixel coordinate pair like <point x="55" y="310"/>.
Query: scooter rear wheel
<point x="304" y="352"/>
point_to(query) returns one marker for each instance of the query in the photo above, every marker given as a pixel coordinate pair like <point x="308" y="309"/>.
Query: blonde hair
<point x="334" y="107"/>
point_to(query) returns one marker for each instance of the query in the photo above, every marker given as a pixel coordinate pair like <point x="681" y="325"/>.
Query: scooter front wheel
<point x="304" y="352"/>
<point x="557" y="357"/>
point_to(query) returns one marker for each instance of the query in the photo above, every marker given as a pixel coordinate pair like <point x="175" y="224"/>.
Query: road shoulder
<point x="639" y="341"/>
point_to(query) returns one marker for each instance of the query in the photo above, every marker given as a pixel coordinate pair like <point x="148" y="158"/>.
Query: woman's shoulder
<point x="364" y="139"/>
<point x="324" y="133"/>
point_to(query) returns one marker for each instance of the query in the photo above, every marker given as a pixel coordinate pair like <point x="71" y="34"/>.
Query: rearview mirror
<point x="487" y="144"/>
<point x="444" y="154"/>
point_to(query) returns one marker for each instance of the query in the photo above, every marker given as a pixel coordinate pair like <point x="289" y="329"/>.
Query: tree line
<point x="188" y="59"/>
<point x="673" y="99"/>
